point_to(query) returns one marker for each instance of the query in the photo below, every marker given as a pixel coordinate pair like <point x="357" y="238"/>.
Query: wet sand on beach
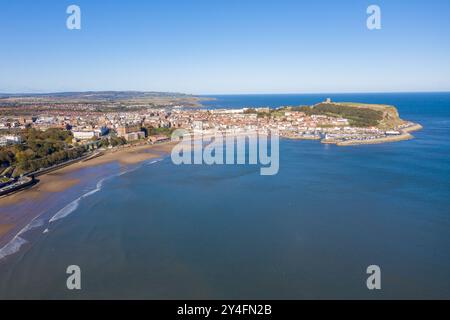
<point x="4" y="228"/>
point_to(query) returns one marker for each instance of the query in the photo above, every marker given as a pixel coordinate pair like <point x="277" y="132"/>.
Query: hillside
<point x="390" y="119"/>
<point x="360" y="114"/>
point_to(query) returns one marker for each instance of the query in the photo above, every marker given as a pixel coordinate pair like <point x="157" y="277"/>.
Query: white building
<point x="10" y="139"/>
<point x="85" y="135"/>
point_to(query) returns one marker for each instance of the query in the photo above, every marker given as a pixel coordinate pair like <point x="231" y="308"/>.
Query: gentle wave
<point x="12" y="247"/>
<point x="68" y="209"/>
<point x="139" y="166"/>
<point x="35" y="223"/>
<point x="155" y="161"/>
<point x="71" y="207"/>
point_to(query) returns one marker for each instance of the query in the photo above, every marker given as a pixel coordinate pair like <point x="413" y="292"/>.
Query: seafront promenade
<point x="29" y="179"/>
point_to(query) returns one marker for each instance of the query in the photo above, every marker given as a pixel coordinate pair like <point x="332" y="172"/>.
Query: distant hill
<point x="104" y="100"/>
<point x="95" y="95"/>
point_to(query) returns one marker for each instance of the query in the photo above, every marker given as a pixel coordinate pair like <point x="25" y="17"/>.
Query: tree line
<point x="40" y="149"/>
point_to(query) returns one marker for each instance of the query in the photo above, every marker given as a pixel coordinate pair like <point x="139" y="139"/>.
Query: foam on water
<point x="139" y="166"/>
<point x="12" y="247"/>
<point x="68" y="209"/>
<point x="155" y="161"/>
<point x="35" y="223"/>
<point x="71" y="207"/>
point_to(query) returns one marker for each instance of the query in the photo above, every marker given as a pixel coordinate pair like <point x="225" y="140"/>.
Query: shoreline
<point x="61" y="179"/>
<point x="58" y="181"/>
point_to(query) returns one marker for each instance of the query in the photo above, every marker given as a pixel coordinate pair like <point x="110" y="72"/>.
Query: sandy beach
<point x="62" y="179"/>
<point x="4" y="228"/>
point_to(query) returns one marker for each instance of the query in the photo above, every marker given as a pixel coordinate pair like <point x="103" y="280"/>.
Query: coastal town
<point x="87" y="125"/>
<point x="33" y="143"/>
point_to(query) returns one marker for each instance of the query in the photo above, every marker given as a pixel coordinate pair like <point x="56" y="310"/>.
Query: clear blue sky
<point x="227" y="46"/>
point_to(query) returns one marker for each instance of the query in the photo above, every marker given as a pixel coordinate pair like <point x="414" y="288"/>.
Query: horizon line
<point x="223" y="94"/>
<point x="310" y="93"/>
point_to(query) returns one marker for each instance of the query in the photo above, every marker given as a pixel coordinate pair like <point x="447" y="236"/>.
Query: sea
<point x="163" y="231"/>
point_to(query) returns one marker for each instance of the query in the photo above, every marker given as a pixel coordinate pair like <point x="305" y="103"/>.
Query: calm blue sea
<point x="178" y="232"/>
